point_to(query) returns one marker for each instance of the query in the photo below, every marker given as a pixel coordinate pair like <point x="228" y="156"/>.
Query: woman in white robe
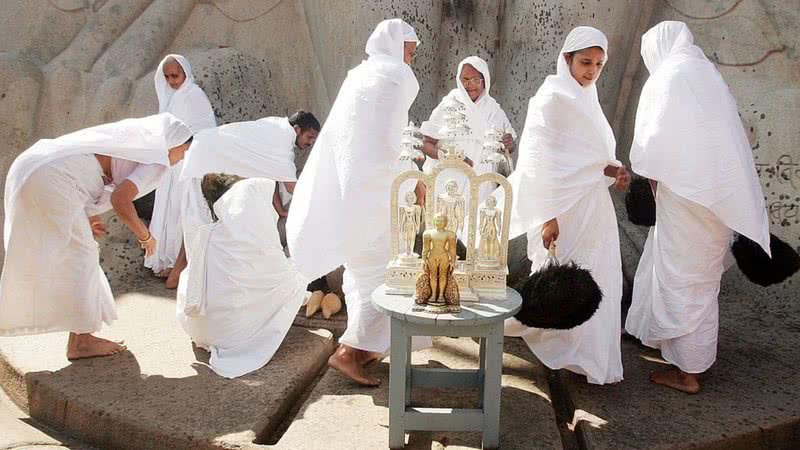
<point x="473" y="82"/>
<point x="178" y="94"/>
<point x="52" y="280"/>
<point x="566" y="165"/>
<point x="260" y="148"/>
<point x="690" y="142"/>
<point x="239" y="294"/>
<point x="340" y="207"/>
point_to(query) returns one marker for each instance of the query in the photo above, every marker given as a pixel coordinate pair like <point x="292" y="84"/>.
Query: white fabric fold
<point x="239" y="295"/>
<point x="190" y="104"/>
<point x="340" y="206"/>
<point x="261" y="148"/>
<point x="565" y="147"/>
<point x="52" y="279"/>
<point x="689" y="135"/>
<point x="482" y="115"/>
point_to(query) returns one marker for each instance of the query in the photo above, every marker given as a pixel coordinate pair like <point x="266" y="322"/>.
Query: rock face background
<point x="69" y="64"/>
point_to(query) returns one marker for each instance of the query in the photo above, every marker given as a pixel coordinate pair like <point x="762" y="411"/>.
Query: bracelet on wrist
<point x="149" y="238"/>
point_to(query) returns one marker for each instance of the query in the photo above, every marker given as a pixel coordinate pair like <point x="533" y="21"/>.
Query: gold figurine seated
<point x="436" y="287"/>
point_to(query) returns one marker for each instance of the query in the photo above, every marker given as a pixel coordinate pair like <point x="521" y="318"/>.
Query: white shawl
<point x="482" y="114"/>
<point x="340" y="206"/>
<point x="145" y="140"/>
<point x="566" y="144"/>
<point x="689" y="135"/>
<point x="261" y="148"/>
<point x="189" y="103"/>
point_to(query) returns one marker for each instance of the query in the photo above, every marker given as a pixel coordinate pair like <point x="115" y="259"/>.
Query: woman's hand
<point x="148" y="245"/>
<point x="623" y="179"/>
<point x="508" y="142"/>
<point x="97" y="226"/>
<point x="549" y="232"/>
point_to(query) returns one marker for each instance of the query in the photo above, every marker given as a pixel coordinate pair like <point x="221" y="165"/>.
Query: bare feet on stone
<point x="347" y="360"/>
<point x="677" y="379"/>
<point x="175" y="274"/>
<point x="81" y="346"/>
<point x="369" y="357"/>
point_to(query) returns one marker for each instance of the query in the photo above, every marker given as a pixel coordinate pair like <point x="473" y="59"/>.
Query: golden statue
<point x="410" y="218"/>
<point x="436" y="287"/>
<point x="490" y="220"/>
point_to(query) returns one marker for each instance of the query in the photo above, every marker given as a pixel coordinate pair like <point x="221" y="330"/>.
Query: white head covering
<point x="690" y="137"/>
<point x="388" y="38"/>
<point x="145" y="140"/>
<point x="340" y="206"/>
<point x="566" y="144"/>
<point x="189" y="103"/>
<point x="482" y="114"/>
<point x="262" y="148"/>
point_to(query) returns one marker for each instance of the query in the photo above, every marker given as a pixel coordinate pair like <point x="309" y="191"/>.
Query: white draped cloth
<point x="690" y="139"/>
<point x="261" y="148"/>
<point x="340" y="208"/>
<point x="239" y="294"/>
<point x="190" y="104"/>
<point x="52" y="279"/>
<point x="565" y="146"/>
<point x="483" y="115"/>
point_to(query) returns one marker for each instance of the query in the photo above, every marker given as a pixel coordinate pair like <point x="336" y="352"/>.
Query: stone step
<point x="341" y="415"/>
<point x="159" y="394"/>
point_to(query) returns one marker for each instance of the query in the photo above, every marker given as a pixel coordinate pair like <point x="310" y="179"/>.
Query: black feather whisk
<point x="640" y="203"/>
<point x="558" y="296"/>
<point x="758" y="267"/>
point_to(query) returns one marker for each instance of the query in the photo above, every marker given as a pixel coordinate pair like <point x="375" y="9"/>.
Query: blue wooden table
<point x="483" y="320"/>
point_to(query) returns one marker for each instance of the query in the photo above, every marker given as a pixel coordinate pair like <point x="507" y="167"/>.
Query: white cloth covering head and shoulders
<point x="131" y="143"/>
<point x="483" y="114"/>
<point x="566" y="144"/>
<point x="565" y="147"/>
<point x="239" y="295"/>
<point x="689" y="136"/>
<point x="52" y="280"/>
<point x="262" y="148"/>
<point x="190" y="104"/>
<point x="340" y="206"/>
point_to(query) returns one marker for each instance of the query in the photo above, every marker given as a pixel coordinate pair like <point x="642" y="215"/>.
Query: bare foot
<point x="175" y="274"/>
<point x="87" y="346"/>
<point x="677" y="379"/>
<point x="369" y="357"/>
<point x="346" y="361"/>
<point x="164" y="273"/>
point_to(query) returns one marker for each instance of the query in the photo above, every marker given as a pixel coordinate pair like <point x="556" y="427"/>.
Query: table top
<point x="487" y="311"/>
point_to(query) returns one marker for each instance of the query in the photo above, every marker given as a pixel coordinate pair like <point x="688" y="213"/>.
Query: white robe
<point x="690" y="139"/>
<point x="261" y="148"/>
<point x="483" y="115"/>
<point x="52" y="280"/>
<point x="565" y="146"/>
<point x="340" y="208"/>
<point x="190" y="104"/>
<point x="240" y="294"/>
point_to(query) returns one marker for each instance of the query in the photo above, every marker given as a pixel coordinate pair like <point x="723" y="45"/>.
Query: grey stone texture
<point x="158" y="394"/>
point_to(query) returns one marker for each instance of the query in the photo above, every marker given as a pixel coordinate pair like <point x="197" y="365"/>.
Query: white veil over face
<point x="566" y="143"/>
<point x="689" y="135"/>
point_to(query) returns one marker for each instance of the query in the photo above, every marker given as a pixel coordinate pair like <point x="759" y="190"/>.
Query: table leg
<point x="491" y="387"/>
<point x="481" y="368"/>
<point x="409" y="381"/>
<point x="399" y="361"/>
